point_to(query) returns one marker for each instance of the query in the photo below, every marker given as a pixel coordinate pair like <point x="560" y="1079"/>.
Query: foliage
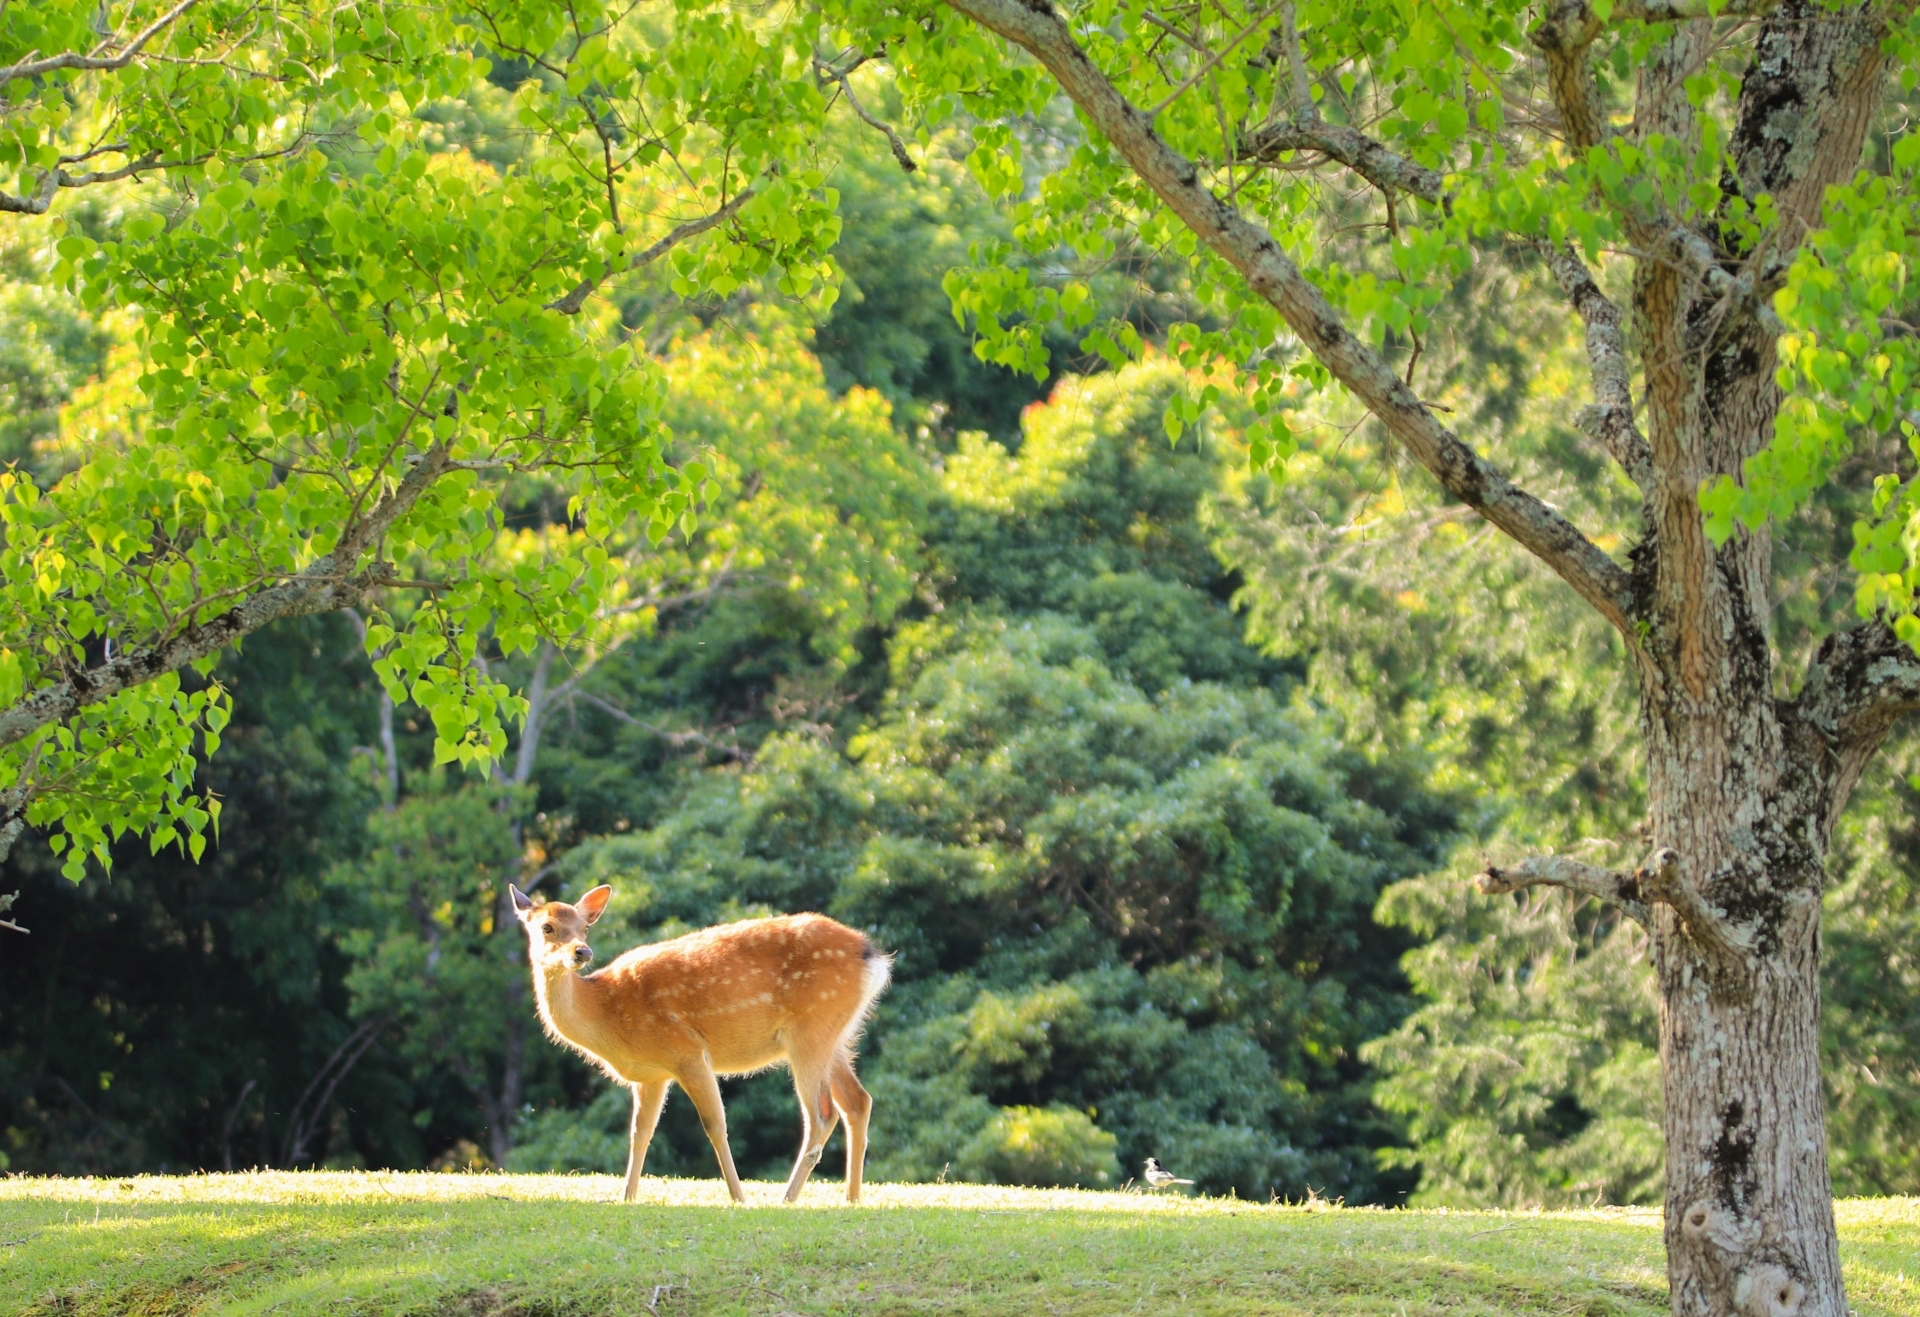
<point x="48" y="347"/>
<point x="1001" y="716"/>
<point x="1870" y="999"/>
<point x="170" y="1016"/>
<point x="346" y="351"/>
<point x="1523" y="1077"/>
<point x="1525" y="1081"/>
<point x="436" y="959"/>
<point x="1048" y="1146"/>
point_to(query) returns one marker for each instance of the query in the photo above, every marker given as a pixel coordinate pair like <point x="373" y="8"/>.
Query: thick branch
<point x="1861" y="682"/>
<point x="1268" y="271"/>
<point x="328" y="584"/>
<point x="1635" y="892"/>
<point x="1381" y="166"/>
<point x="39" y="202"/>
<point x="1678" y="11"/>
<point x="1806" y="97"/>
<point x="1610" y="419"/>
<point x="1564" y="36"/>
<point x="577" y="298"/>
<point x="1623" y="888"/>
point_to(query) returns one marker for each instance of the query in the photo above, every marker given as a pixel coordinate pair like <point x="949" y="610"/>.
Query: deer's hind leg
<point x="647" y="1101"/>
<point x="856" y="1104"/>
<point x="812" y="1086"/>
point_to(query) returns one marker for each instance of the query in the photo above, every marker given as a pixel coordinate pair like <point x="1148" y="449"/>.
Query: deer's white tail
<point x="876" y="974"/>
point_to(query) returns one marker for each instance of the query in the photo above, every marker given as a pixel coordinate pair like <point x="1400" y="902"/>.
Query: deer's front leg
<point x="647" y="1101"/>
<point x="702" y="1086"/>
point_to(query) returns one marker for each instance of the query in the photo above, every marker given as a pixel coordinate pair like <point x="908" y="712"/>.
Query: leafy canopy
<point x="356" y="355"/>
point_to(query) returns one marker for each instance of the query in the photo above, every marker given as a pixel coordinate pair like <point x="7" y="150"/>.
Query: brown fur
<point x="725" y="1001"/>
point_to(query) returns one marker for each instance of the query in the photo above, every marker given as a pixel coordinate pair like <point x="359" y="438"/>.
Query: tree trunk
<point x="1749" y="1218"/>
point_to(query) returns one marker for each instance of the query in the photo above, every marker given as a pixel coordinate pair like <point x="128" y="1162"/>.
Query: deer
<point x="730" y="1000"/>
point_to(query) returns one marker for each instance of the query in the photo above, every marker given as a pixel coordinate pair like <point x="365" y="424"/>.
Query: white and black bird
<point x="1158" y="1176"/>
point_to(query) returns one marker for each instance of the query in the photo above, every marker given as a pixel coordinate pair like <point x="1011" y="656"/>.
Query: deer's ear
<point x="594" y="903"/>
<point x="521" y="901"/>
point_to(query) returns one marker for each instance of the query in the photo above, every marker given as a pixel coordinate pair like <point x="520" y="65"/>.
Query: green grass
<point x="557" y="1246"/>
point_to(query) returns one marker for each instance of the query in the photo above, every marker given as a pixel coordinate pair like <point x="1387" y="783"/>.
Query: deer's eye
<point x="549" y="929"/>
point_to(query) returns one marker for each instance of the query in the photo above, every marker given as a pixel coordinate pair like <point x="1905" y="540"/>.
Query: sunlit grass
<point x="557" y="1246"/>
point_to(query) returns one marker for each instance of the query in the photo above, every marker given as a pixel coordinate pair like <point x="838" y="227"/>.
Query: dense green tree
<point x="1871" y="990"/>
<point x="431" y="966"/>
<point x="178" y="1015"/>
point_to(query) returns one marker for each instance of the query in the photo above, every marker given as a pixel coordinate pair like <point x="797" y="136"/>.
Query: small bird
<point x="1159" y="1177"/>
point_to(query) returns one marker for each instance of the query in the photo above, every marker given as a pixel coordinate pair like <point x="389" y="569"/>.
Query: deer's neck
<point x="571" y="1008"/>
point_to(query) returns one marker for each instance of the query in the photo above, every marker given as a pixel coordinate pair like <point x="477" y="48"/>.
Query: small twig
<point x="1501" y="1230"/>
<point x="1208" y="67"/>
<point x="674" y="739"/>
<point x="24" y="1239"/>
<point x="577" y="298"/>
<point x="831" y="74"/>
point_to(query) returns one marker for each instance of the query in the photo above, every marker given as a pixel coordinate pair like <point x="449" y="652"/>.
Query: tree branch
<point x="1610" y="419"/>
<point x="1564" y="35"/>
<point x="1861" y="682"/>
<point x="1635" y="892"/>
<point x="828" y="73"/>
<point x="56" y="178"/>
<point x="674" y="739"/>
<point x="33" y="68"/>
<point x="1380" y="165"/>
<point x="304" y="1123"/>
<point x="329" y="583"/>
<point x="1299" y="85"/>
<point x="1622" y="888"/>
<point x="1036" y="28"/>
<point x="1678" y="11"/>
<point x="577" y="298"/>
<point x="1213" y="61"/>
<point x="537" y="701"/>
<point x="6" y="904"/>
<point x="38" y="203"/>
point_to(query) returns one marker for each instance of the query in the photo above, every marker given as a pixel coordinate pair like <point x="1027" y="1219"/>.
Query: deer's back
<point x="743" y="993"/>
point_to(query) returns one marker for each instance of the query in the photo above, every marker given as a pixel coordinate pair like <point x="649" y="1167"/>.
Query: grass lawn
<point x="559" y="1246"/>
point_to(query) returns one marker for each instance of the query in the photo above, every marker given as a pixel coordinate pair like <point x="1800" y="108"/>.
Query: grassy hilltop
<point x="294" y="1244"/>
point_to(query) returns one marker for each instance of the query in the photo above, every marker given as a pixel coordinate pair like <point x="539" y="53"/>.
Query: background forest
<point x="1161" y="779"/>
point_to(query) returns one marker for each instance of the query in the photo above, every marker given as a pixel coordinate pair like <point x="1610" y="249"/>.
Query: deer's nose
<point x="583" y="955"/>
